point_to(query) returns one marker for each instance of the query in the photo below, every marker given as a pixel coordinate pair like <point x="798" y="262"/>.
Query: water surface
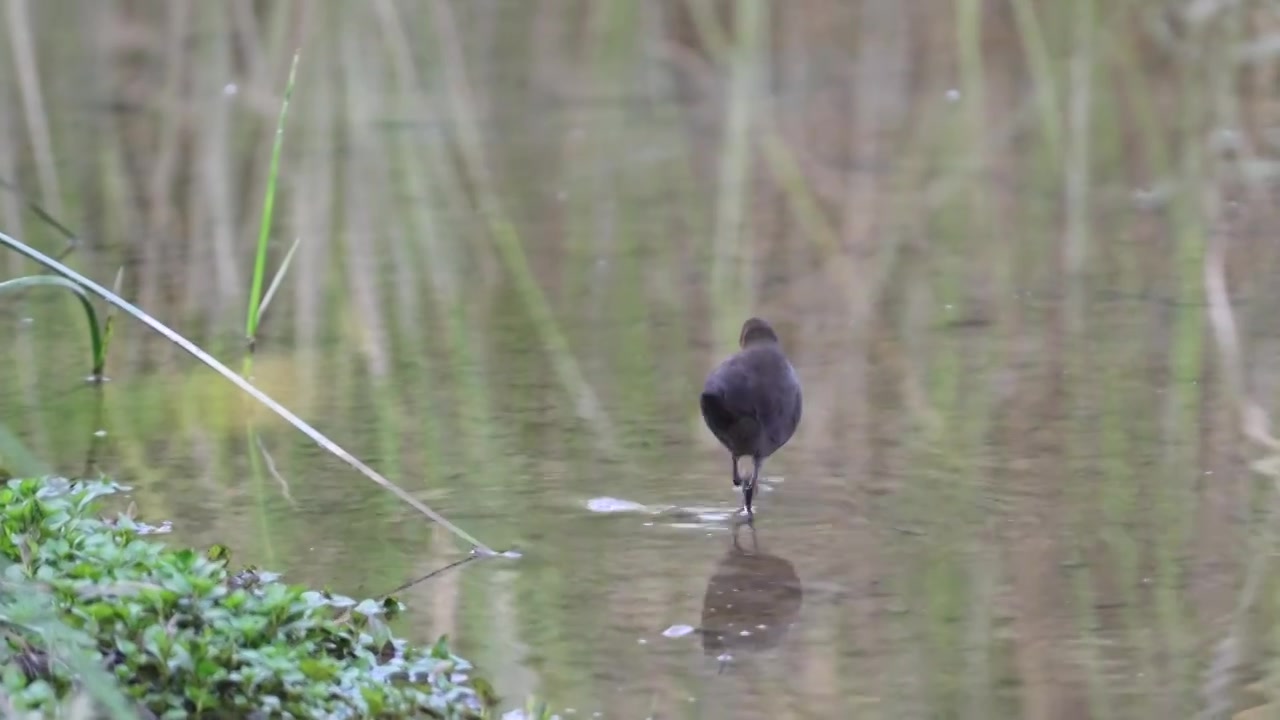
<point x="1017" y="490"/>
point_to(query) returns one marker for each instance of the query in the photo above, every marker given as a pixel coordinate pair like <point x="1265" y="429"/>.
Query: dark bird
<point x="751" y="402"/>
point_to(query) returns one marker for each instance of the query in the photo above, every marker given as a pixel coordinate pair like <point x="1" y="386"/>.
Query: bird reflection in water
<point x="752" y="600"/>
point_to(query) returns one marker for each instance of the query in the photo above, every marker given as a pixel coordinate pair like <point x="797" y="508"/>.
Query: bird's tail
<point x="719" y="419"/>
<point x="714" y="411"/>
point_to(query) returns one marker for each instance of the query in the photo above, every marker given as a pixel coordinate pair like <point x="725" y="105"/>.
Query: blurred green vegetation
<point x="527" y="229"/>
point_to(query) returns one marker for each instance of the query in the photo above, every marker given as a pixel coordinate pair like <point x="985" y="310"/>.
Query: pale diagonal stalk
<point x="275" y="473"/>
<point x="254" y="311"/>
<point x="192" y="349"/>
<point x="91" y="315"/>
<point x="257" y="473"/>
<point x="279" y="276"/>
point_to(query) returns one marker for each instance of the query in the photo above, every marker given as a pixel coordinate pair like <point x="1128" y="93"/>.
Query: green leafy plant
<point x="184" y="636"/>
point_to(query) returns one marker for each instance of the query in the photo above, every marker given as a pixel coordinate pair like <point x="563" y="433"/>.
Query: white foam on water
<point x="677" y="631"/>
<point x="614" y="505"/>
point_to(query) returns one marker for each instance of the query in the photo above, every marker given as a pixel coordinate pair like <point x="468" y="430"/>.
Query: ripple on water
<point x="693" y="517"/>
<point x="615" y="505"/>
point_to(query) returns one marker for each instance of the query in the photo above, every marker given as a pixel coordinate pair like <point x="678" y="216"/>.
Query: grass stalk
<point x="255" y="308"/>
<point x="96" y="338"/>
<point x="109" y="324"/>
<point x="38" y="210"/>
<point x="37" y="119"/>
<point x="204" y="357"/>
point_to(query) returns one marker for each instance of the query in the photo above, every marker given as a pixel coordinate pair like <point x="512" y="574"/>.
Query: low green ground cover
<point x="92" y="609"/>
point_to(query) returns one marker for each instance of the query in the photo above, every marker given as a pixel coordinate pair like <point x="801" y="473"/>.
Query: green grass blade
<point x="268" y="208"/>
<point x="241" y="383"/>
<point x="73" y="241"/>
<point x="108" y="325"/>
<point x="95" y="330"/>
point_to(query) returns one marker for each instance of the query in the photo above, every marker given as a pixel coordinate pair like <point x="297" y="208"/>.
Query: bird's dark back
<point x="752" y="400"/>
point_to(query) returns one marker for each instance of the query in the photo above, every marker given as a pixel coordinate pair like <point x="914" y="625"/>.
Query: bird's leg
<point x="737" y="479"/>
<point x="749" y="487"/>
<point x="755" y="544"/>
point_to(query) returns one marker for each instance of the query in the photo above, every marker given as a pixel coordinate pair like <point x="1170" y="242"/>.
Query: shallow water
<point x="1014" y="492"/>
